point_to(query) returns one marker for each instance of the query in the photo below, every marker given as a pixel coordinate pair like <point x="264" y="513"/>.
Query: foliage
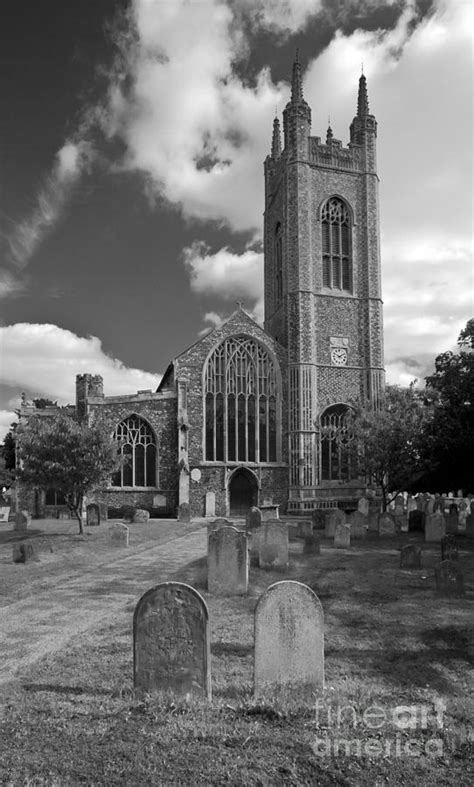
<point x="41" y="403"/>
<point x="7" y="458"/>
<point x="59" y="453"/>
<point x="388" y="445"/>
<point x="451" y="390"/>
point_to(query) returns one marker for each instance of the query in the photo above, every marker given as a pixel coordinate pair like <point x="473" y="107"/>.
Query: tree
<point x="7" y="457"/>
<point x="388" y="445"/>
<point x="451" y="390"/>
<point x="59" y="453"/>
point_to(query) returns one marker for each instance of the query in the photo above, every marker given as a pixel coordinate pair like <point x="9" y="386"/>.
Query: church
<point x="253" y="416"/>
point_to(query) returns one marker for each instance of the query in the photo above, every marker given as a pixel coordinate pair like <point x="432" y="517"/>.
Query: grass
<point x="72" y="718"/>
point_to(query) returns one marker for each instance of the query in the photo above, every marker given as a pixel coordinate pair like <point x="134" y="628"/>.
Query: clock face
<point x="339" y="356"/>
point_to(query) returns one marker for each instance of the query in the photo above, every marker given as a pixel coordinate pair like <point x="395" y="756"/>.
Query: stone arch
<point x="242" y="491"/>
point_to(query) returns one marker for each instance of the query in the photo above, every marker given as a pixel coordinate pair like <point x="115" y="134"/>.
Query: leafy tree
<point x="388" y="445"/>
<point x="7" y="457"/>
<point x="451" y="390"/>
<point x="61" y="454"/>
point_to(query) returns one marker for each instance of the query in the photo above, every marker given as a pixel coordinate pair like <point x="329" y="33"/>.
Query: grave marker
<point x="387" y="528"/>
<point x="435" y="527"/>
<point x="312" y="545"/>
<point x="119" y="534"/>
<point x="342" y="536"/>
<point x="92" y="515"/>
<point x="449" y="578"/>
<point x="410" y="556"/>
<point x="449" y="548"/>
<point x="210" y="504"/>
<point x="358" y="523"/>
<point x="23" y="552"/>
<point x="273" y="544"/>
<point x="253" y="520"/>
<point x="227" y="562"/>
<point x="335" y="518"/>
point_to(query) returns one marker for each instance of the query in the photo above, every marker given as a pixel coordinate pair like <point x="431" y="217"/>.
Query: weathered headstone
<point x="342" y="536"/>
<point x="103" y="511"/>
<point x="304" y="528"/>
<point x="410" y="556"/>
<point x="273" y="544"/>
<point x="119" y="534"/>
<point x="373" y="522"/>
<point x="141" y="516"/>
<point x="363" y="506"/>
<point x="411" y="504"/>
<point x="430" y="504"/>
<point x="184" y="512"/>
<point x="23" y="552"/>
<point x="449" y="548"/>
<point x="452" y="519"/>
<point x="435" y="527"/>
<point x="171" y="642"/>
<point x="387" y="526"/>
<point x="227" y="562"/>
<point x="319" y="518"/>
<point x="416" y="521"/>
<point x="217" y="524"/>
<point x="335" y="518"/>
<point x="253" y="518"/>
<point x="449" y="578"/>
<point x="20" y="522"/>
<point x="210" y="504"/>
<point x="312" y="545"/>
<point x="358" y="523"/>
<point x="399" y="514"/>
<point x="289" y="641"/>
<point x="92" y="515"/>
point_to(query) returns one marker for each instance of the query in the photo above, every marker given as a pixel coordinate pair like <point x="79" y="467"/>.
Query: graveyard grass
<point x="390" y="641"/>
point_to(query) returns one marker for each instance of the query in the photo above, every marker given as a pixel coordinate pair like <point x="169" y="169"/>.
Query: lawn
<point x="390" y="641"/>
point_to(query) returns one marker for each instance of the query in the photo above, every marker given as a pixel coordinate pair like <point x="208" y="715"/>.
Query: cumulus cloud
<point x="224" y="273"/>
<point x="44" y="359"/>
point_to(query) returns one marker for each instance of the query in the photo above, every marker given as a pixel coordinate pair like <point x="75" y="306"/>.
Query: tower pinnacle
<point x="362" y="98"/>
<point x="296" y="81"/>
<point x="276" y="139"/>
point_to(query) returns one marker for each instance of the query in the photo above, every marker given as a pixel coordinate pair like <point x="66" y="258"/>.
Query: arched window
<point x="336" y="245"/>
<point x="335" y="454"/>
<point x="138" y="450"/>
<point x="279" y="262"/>
<point x="241" y="403"/>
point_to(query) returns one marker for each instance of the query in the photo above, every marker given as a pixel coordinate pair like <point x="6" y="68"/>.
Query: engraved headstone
<point x="449" y="578"/>
<point x="253" y="518"/>
<point x="363" y="506"/>
<point x="410" y="556"/>
<point x="289" y="640"/>
<point x="171" y="642"/>
<point x="449" y="548"/>
<point x="273" y="544"/>
<point x="119" y="534"/>
<point x="430" y="504"/>
<point x="358" y="523"/>
<point x="92" y="515"/>
<point x="210" y="504"/>
<point x="342" y="536"/>
<point x="435" y="527"/>
<point x="216" y="524"/>
<point x="335" y="518"/>
<point x="227" y="562"/>
<point x="387" y="526"/>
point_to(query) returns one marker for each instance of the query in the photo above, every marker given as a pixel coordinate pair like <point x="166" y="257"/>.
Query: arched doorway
<point x="243" y="492"/>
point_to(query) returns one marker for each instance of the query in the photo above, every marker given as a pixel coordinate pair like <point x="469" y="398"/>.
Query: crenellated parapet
<point x="334" y="156"/>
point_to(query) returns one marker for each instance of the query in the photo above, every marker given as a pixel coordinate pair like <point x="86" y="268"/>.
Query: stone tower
<point x="322" y="289"/>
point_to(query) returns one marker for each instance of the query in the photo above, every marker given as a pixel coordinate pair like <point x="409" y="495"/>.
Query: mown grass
<point x="390" y="641"/>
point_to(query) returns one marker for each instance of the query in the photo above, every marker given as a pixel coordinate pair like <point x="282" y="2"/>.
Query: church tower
<point x="322" y="289"/>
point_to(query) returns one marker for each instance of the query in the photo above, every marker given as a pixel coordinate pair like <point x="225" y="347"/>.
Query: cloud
<point x="224" y="273"/>
<point x="44" y="360"/>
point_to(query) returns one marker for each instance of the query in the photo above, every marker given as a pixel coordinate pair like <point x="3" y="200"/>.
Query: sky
<point x="132" y="142"/>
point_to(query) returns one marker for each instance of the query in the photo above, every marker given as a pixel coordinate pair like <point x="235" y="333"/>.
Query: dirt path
<point x="43" y="623"/>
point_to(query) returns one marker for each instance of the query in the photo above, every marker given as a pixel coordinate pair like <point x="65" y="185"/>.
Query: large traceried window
<point x="241" y="400"/>
<point x="138" y="450"/>
<point x="336" y="245"/>
<point x="335" y="437"/>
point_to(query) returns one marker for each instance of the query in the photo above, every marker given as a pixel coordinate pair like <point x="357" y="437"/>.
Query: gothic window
<point x="137" y="447"/>
<point x="279" y="262"/>
<point x="335" y="455"/>
<point x="336" y="245"/>
<point x="241" y="403"/>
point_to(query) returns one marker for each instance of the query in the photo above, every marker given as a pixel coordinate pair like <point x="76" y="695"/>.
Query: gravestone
<point x="23" y="552"/>
<point x="210" y="504"/>
<point x="373" y="522"/>
<point x="387" y="528"/>
<point x="119" y="534"/>
<point x="227" y="562"/>
<point x="289" y="641"/>
<point x="399" y="514"/>
<point x="184" y="512"/>
<point x="358" y="523"/>
<point x="449" y="548"/>
<point x="304" y="528"/>
<point x="410" y="556"/>
<point x="470" y="525"/>
<point x="141" y="516"/>
<point x="463" y="511"/>
<point x="416" y="521"/>
<point x="411" y="504"/>
<point x="217" y="524"/>
<point x="430" y="504"/>
<point x="273" y="544"/>
<point x="171" y="641"/>
<point x="363" y="506"/>
<point x="335" y="518"/>
<point x="449" y="578"/>
<point x="319" y="517"/>
<point x="452" y="519"/>
<point x="435" y="528"/>
<point x="312" y="545"/>
<point x="342" y="536"/>
<point x="253" y="520"/>
<point x="4" y="513"/>
<point x="20" y="521"/>
<point x="92" y="515"/>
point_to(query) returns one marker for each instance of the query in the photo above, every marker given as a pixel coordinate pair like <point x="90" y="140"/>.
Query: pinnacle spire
<point x="362" y="98"/>
<point x="276" y="139"/>
<point x="329" y="135"/>
<point x="296" y="81"/>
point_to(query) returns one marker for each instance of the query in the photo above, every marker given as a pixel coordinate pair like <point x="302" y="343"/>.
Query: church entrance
<point x="243" y="492"/>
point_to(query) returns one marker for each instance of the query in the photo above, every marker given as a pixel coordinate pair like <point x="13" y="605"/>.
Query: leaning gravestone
<point x="449" y="578"/>
<point x="253" y="520"/>
<point x="387" y="527"/>
<point x="342" y="536"/>
<point x="289" y="640"/>
<point x="23" y="552"/>
<point x="449" y="548"/>
<point x="410" y="556"/>
<point x="92" y="515"/>
<point x="273" y="544"/>
<point x="171" y="642"/>
<point x="358" y="523"/>
<point x="227" y="562"/>
<point x="335" y="518"/>
<point x="119" y="534"/>
<point x="435" y="527"/>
